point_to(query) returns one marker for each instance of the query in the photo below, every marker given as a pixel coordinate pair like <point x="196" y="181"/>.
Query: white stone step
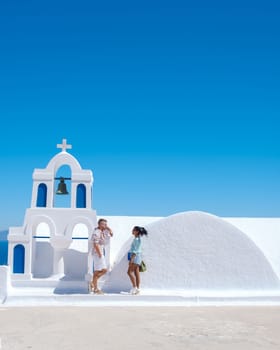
<point x="118" y="300"/>
<point x="56" y="287"/>
<point x="51" y="286"/>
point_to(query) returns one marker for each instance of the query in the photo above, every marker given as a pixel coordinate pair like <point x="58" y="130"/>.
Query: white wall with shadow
<point x="75" y="265"/>
<point x="43" y="263"/>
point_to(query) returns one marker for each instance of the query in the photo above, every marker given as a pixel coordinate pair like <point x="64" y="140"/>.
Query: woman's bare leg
<point x="95" y="279"/>
<point x="96" y="276"/>
<point x="102" y="272"/>
<point x="137" y="276"/>
<point x="130" y="273"/>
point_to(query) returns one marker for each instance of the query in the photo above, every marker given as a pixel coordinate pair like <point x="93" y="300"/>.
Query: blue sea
<point x="3" y="248"/>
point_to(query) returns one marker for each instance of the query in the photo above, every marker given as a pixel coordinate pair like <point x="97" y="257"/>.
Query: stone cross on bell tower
<point x="64" y="146"/>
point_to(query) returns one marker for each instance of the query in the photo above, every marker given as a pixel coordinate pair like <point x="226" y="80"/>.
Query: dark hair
<point x="101" y="220"/>
<point x="141" y="230"/>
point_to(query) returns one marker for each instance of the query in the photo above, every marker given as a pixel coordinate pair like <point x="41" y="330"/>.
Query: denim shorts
<point x="137" y="258"/>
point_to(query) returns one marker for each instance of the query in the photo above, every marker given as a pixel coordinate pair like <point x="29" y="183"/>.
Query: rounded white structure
<point x="198" y="251"/>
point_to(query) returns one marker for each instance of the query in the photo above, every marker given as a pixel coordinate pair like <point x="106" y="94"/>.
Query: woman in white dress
<point x="99" y="237"/>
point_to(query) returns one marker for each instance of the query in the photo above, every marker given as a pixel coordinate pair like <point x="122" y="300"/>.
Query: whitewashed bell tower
<point x="53" y="241"/>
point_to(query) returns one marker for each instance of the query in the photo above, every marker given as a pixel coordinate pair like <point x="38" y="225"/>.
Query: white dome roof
<point x="196" y="250"/>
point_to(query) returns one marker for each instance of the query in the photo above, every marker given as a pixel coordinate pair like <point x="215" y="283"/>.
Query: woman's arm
<point x="110" y="231"/>
<point x="132" y="257"/>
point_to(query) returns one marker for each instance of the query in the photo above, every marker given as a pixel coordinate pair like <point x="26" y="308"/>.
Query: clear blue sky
<point x="174" y="105"/>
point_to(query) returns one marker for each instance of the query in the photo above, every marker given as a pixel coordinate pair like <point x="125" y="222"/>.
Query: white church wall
<point x="76" y="256"/>
<point x="42" y="258"/>
<point x="5" y="283"/>
<point x="265" y="232"/>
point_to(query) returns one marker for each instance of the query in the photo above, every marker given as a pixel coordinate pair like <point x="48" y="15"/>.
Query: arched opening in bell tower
<point x="62" y="187"/>
<point x="81" y="196"/>
<point x="19" y="259"/>
<point x="42" y="195"/>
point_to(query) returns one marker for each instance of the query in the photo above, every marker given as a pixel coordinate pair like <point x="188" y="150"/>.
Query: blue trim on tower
<point x="48" y="237"/>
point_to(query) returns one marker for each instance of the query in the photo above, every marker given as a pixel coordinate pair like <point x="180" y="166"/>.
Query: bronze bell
<point x="62" y="189"/>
